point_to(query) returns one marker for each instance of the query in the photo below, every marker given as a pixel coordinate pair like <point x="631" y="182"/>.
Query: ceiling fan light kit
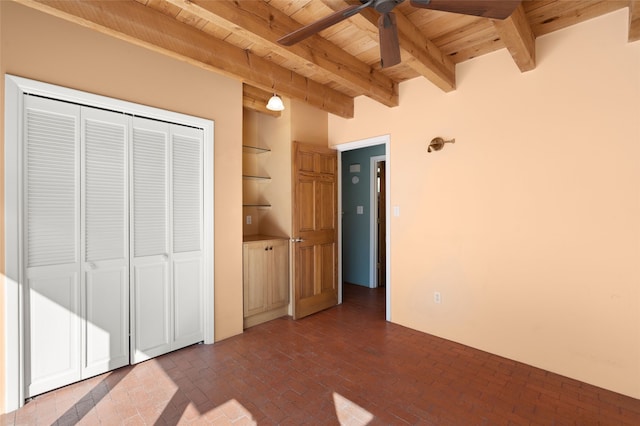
<point x="387" y="24"/>
<point x="275" y="103"/>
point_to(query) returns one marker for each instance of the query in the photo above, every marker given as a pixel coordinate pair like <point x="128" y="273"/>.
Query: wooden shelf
<point x="258" y="205"/>
<point x="251" y="177"/>
<point x="254" y="149"/>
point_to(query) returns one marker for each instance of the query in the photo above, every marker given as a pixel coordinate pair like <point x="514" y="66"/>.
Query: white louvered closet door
<point x="51" y="208"/>
<point x="76" y="240"/>
<point x="105" y="244"/>
<point x="151" y="292"/>
<point x="187" y="241"/>
<point x="167" y="232"/>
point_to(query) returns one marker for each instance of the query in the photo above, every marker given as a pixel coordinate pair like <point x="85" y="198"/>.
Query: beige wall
<point x="529" y="225"/>
<point x="308" y="124"/>
<point x="62" y="53"/>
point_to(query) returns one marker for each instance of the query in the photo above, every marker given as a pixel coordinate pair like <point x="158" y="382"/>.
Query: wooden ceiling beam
<point x="516" y="34"/>
<point x="262" y="24"/>
<point x="548" y="16"/>
<point x="419" y="53"/>
<point x="424" y="56"/>
<point x="634" y="20"/>
<point x="143" y="26"/>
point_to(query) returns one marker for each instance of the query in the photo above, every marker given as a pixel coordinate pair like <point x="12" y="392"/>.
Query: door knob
<point x="297" y="240"/>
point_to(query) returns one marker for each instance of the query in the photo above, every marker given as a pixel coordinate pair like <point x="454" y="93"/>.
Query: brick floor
<point x="343" y="366"/>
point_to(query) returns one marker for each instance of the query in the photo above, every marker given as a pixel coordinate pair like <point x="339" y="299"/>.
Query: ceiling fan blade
<point x="495" y="9"/>
<point x="319" y="25"/>
<point x="389" y="44"/>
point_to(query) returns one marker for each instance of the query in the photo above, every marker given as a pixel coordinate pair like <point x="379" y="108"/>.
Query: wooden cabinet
<point x="265" y="278"/>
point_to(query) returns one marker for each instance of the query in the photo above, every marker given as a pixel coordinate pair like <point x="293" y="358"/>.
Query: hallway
<point x="346" y="365"/>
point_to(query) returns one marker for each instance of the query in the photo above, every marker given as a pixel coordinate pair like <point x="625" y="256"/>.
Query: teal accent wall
<point x="355" y="227"/>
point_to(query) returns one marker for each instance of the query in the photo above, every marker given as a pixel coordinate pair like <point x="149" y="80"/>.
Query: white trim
<point x="15" y="88"/>
<point x="373" y="224"/>
<point x="208" y="252"/>
<point x="13" y="367"/>
<point x="363" y="143"/>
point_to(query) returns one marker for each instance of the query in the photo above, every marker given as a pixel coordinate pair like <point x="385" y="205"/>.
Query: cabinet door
<point x="278" y="287"/>
<point x="255" y="268"/>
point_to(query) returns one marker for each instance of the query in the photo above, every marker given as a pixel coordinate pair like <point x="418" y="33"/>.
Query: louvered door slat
<point x="150" y="192"/>
<point x="51" y="187"/>
<point x="105" y="190"/>
<point x="187" y="193"/>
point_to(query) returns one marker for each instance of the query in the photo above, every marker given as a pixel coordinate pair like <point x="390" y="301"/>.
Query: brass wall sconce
<point x="437" y="144"/>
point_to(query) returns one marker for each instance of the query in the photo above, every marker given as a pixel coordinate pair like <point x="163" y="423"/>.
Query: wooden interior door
<point x="314" y="205"/>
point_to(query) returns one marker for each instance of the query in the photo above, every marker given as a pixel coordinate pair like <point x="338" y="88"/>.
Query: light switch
<point x="396" y="211"/>
<point x="360" y="210"/>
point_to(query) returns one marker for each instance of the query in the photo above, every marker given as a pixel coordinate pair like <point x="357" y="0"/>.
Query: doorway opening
<point x="378" y="235"/>
<point x="364" y="206"/>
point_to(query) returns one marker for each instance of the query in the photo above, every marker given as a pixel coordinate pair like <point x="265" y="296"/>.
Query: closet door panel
<point x="107" y="313"/>
<point x="106" y="237"/>
<point x="51" y="207"/>
<point x="153" y="303"/>
<point x="187" y="242"/>
<point x="150" y="219"/>
<point x="187" y="278"/>
<point x="54" y="329"/>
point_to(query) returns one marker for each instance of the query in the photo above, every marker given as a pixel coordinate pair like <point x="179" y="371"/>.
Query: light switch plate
<point x="360" y="210"/>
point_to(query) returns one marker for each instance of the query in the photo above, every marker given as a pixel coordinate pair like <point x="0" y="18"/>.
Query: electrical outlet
<point x="249" y="220"/>
<point x="436" y="297"/>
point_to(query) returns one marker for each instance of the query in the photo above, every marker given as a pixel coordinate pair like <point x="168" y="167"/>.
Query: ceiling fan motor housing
<point x="386" y="6"/>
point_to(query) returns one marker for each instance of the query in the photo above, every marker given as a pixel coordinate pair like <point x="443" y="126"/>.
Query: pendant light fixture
<point x="275" y="103"/>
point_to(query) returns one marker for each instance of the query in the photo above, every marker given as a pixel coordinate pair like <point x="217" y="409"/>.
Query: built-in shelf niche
<point x="253" y="197"/>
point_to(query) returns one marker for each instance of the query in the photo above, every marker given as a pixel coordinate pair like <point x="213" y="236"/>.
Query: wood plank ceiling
<point x="328" y="70"/>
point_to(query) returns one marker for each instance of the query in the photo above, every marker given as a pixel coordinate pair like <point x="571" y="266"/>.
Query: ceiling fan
<point x="387" y="26"/>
